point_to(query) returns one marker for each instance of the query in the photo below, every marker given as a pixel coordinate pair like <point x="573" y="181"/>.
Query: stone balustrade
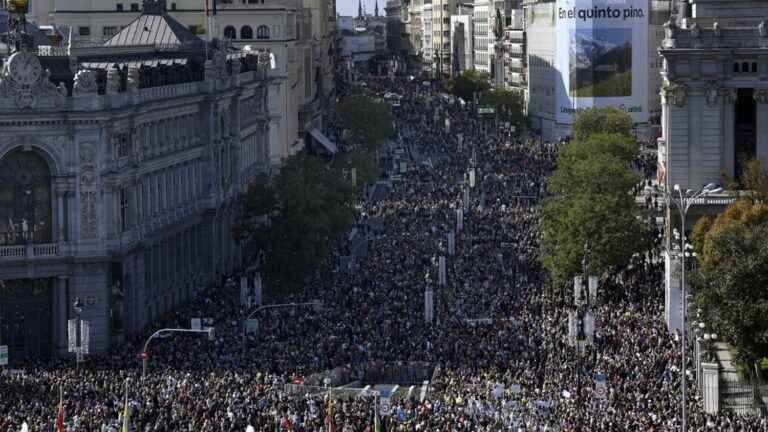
<point x="29" y="251"/>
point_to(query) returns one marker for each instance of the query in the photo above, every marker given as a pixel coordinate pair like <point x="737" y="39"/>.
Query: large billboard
<point x="602" y="57"/>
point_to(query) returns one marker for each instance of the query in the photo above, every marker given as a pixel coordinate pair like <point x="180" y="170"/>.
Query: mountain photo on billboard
<point x="601" y="62"/>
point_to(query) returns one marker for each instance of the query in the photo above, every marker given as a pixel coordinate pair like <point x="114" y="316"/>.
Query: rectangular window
<point x="84" y="31"/>
<point x="109" y="31"/>
<point x="173" y="6"/>
<point x="124" y="210"/>
<point x="134" y="7"/>
<point x="119" y="7"/>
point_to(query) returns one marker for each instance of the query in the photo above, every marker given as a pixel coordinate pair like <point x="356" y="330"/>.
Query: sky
<point x="349" y="7"/>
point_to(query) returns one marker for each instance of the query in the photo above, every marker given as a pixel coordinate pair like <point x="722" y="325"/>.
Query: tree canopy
<point x="468" y="83"/>
<point x="368" y="121"/>
<point x="509" y="105"/>
<point x="730" y="286"/>
<point x="591" y="211"/>
<point x="593" y="121"/>
<point x="291" y="219"/>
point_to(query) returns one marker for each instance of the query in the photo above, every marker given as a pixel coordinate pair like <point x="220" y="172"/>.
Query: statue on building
<point x="85" y="82"/>
<point x="498" y="27"/>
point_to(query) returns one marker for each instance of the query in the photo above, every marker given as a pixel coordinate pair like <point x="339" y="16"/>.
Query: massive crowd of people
<point x="498" y="342"/>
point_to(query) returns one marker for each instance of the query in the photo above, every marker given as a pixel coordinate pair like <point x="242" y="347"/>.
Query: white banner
<point x="451" y="243"/>
<point x="429" y="310"/>
<point x="442" y="274"/>
<point x="85" y="337"/>
<point x="602" y="57"/>
<point x="579" y="296"/>
<point x="593" y="290"/>
<point x="72" y="335"/>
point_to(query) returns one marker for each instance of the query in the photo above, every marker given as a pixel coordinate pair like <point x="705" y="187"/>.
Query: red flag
<point x="60" y="415"/>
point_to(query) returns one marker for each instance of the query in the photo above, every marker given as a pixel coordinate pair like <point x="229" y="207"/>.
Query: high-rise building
<point x="462" y="41"/>
<point x="575" y="64"/>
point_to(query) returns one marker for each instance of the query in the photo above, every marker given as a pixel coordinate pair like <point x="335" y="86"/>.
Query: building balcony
<point x="30" y="251"/>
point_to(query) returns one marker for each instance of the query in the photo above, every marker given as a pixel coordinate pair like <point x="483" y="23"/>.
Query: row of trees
<point x="290" y="220"/>
<point x="509" y="105"/>
<point x="730" y="284"/>
<point x="591" y="214"/>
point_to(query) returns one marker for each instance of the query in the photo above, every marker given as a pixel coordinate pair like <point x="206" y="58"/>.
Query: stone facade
<point x="142" y="180"/>
<point x="299" y="33"/>
<point x="713" y="62"/>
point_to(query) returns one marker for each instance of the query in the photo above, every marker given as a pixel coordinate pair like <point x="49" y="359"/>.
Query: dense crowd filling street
<point x="498" y="342"/>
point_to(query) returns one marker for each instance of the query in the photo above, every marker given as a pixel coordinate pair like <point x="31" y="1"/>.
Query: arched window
<point x="745" y="67"/>
<point x="230" y="32"/>
<point x="736" y="67"/>
<point x="262" y="32"/>
<point x="246" y="32"/>
<point x="25" y="199"/>
<point x="754" y="67"/>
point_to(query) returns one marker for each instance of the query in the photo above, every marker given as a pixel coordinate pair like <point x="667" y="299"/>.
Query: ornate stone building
<point x="119" y="165"/>
<point x="714" y="113"/>
<point x="300" y="34"/>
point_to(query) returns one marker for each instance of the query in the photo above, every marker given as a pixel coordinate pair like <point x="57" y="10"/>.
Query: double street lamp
<point x="682" y="200"/>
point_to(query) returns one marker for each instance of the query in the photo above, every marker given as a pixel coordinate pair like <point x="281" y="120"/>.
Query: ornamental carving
<point x="728" y="96"/>
<point x="85" y="82"/>
<point x="27" y="90"/>
<point x="676" y="94"/>
<point x="133" y="80"/>
<point x="88" y="215"/>
<point x="113" y="80"/>
<point x="761" y="96"/>
<point x="712" y="93"/>
<point x="87" y="164"/>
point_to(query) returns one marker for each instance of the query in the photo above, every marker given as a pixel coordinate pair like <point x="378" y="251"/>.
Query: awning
<point x="322" y="139"/>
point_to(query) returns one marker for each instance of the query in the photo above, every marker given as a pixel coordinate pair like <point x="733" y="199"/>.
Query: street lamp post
<point x="683" y="200"/>
<point x="316" y="303"/>
<point x="145" y="354"/>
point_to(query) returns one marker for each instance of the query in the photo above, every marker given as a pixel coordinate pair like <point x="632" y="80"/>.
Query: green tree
<point x="602" y="120"/>
<point x="292" y="218"/>
<point x="591" y="211"/>
<point x="597" y="217"/>
<point x="368" y="121"/>
<point x="509" y="105"/>
<point x="363" y="161"/>
<point x="468" y="83"/>
<point x="731" y="292"/>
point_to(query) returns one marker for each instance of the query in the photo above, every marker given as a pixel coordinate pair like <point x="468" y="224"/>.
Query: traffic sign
<point x="486" y="110"/>
<point x="3" y="355"/>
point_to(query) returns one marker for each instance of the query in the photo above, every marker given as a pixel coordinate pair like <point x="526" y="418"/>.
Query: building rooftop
<point x="155" y="27"/>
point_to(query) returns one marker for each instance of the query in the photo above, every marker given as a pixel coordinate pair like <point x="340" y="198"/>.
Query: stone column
<point x="710" y="387"/>
<point x="60" y="202"/>
<point x="729" y="129"/>
<point x="761" y="99"/>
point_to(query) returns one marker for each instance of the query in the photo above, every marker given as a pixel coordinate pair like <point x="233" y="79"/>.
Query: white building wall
<point x="542" y="75"/>
<point x="483" y="45"/>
